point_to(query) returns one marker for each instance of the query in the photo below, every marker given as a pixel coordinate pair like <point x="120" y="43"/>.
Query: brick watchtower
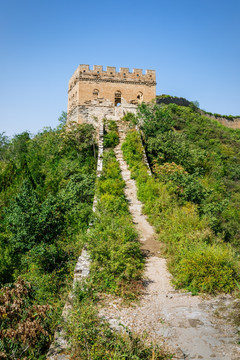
<point x="95" y="94"/>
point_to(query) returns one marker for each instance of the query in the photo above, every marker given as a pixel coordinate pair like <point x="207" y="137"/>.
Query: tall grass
<point x="198" y="260"/>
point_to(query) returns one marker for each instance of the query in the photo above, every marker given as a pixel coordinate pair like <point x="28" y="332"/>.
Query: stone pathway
<point x="185" y="323"/>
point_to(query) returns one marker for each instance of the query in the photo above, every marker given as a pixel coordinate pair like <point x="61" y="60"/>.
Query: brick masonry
<point x="95" y="94"/>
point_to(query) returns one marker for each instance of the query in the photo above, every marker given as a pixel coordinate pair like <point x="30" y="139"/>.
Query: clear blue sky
<point x="193" y="45"/>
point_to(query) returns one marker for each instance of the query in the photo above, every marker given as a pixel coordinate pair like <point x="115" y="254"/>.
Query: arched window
<point x="140" y="97"/>
<point x="118" y="98"/>
<point x="95" y="93"/>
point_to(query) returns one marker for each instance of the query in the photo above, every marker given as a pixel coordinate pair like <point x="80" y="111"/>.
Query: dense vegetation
<point x="48" y="183"/>
<point x="116" y="268"/>
<point x="47" y="186"/>
<point x="193" y="197"/>
<point x="168" y="99"/>
<point x="112" y="241"/>
<point x="110" y="134"/>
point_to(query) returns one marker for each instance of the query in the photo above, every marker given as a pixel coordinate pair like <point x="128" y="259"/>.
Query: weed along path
<point x="185" y="323"/>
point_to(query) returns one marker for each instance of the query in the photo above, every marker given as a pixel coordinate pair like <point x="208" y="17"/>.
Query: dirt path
<point x="186" y="323"/>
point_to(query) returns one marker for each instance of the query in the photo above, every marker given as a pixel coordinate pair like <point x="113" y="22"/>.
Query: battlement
<point x="97" y="93"/>
<point x="84" y="73"/>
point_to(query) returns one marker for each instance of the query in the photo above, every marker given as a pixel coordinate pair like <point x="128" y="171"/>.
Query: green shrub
<point x="130" y="118"/>
<point x="112" y="170"/>
<point x="186" y="186"/>
<point x="111" y="186"/>
<point x="112" y="125"/>
<point x="154" y="119"/>
<point x="116" y="205"/>
<point x="6" y="263"/>
<point x="24" y="326"/>
<point x="132" y="148"/>
<point x="207" y="268"/>
<point x="110" y="139"/>
<point x="31" y="222"/>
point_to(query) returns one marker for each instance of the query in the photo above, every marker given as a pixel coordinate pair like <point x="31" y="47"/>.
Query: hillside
<point x="47" y="187"/>
<point x="195" y="162"/>
<point x="48" y="183"/>
<point x="230" y="121"/>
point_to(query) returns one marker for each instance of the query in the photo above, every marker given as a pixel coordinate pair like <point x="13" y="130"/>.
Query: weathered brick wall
<point x="102" y="90"/>
<point x="233" y="124"/>
<point x="93" y="111"/>
<point x="84" y="90"/>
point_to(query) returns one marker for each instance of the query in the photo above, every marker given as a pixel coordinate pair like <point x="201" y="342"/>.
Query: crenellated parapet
<point x="84" y="73"/>
<point x="96" y="93"/>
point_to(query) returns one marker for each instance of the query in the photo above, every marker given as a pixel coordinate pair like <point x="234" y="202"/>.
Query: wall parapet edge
<point x="97" y="73"/>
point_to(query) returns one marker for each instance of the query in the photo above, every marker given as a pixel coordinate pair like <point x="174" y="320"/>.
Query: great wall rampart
<point x="96" y="94"/>
<point x="161" y="294"/>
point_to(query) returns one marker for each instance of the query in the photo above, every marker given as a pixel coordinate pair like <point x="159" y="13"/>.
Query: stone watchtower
<point x="97" y="94"/>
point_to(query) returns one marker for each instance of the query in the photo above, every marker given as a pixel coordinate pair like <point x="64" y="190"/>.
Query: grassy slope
<point x="47" y="187"/>
<point x="192" y="198"/>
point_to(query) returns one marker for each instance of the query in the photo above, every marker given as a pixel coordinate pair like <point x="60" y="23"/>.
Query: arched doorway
<point x="118" y="98"/>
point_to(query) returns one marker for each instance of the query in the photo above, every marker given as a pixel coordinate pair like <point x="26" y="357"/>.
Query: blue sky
<point x="193" y="45"/>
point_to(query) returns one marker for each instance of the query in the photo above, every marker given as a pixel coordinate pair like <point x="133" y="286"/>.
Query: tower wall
<point x="102" y="89"/>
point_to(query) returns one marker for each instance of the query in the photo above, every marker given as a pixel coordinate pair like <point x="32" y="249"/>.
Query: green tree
<point x="63" y="118"/>
<point x="4" y="142"/>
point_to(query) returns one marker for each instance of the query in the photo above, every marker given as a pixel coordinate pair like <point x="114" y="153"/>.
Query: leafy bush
<point x="186" y="186"/>
<point x="130" y="118"/>
<point x="112" y="125"/>
<point x="154" y="119"/>
<point x="133" y="148"/>
<point x="173" y="147"/>
<point x="111" y="138"/>
<point x="30" y="222"/>
<point x="207" y="268"/>
<point x="24" y="326"/>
